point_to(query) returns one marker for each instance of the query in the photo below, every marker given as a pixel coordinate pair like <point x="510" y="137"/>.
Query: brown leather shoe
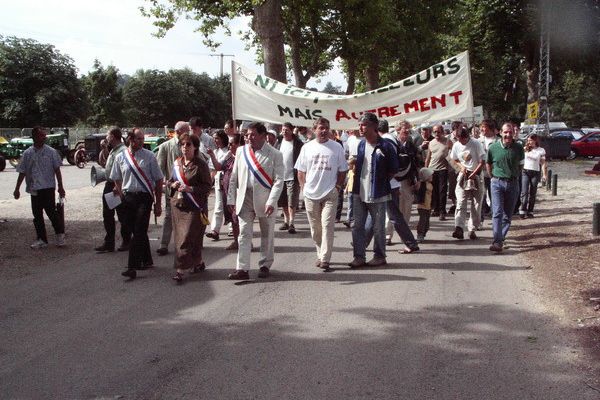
<point x="357" y="262"/>
<point x="263" y="272"/>
<point x="376" y="262"/>
<point x="497" y="247"/>
<point x="239" y="275"/>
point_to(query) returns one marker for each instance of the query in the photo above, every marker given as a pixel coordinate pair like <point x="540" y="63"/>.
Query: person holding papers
<point x="189" y="187"/>
<point x="254" y="188"/>
<point x="115" y="142"/>
<point x="138" y="180"/>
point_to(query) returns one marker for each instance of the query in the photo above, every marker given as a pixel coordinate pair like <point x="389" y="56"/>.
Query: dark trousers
<point x="44" y="201"/>
<point x="137" y="207"/>
<point x="485" y="209"/>
<point x="423" y="225"/>
<point x="108" y="217"/>
<point x="340" y="205"/>
<point x="529" y="183"/>
<point x="452" y="176"/>
<point x="440" y="190"/>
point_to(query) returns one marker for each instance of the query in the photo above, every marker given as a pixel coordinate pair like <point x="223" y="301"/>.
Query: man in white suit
<point x="255" y="186"/>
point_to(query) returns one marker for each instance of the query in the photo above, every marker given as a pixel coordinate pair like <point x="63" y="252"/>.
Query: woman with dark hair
<point x="227" y="167"/>
<point x="189" y="187"/>
<point x="535" y="161"/>
<point x="217" y="158"/>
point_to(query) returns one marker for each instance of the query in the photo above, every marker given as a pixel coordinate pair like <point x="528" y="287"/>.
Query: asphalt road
<point x="451" y="322"/>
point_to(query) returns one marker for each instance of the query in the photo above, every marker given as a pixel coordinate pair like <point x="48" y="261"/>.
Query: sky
<point x="116" y="33"/>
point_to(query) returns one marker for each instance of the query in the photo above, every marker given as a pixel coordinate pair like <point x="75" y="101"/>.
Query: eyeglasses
<point x="185" y="144"/>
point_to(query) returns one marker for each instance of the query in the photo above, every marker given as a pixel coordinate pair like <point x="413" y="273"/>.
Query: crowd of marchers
<point x="381" y="173"/>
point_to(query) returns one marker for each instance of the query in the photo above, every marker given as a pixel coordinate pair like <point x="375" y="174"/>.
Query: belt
<point x="505" y="179"/>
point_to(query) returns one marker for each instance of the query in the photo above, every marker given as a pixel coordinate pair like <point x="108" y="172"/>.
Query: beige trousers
<point x="267" y="237"/>
<point x="321" y="217"/>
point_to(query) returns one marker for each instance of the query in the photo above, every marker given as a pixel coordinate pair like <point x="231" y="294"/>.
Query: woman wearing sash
<point x="189" y="186"/>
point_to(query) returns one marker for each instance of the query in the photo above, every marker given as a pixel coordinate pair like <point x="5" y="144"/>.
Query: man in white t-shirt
<point x="468" y="155"/>
<point x="321" y="170"/>
<point x="289" y="145"/>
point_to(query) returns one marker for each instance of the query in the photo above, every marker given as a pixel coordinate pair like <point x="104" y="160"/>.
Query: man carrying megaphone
<point x="114" y="137"/>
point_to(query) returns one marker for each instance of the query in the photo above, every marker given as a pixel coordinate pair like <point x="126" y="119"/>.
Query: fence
<point x="76" y="134"/>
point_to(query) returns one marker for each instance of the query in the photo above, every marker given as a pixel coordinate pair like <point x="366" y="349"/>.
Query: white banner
<point x="441" y="92"/>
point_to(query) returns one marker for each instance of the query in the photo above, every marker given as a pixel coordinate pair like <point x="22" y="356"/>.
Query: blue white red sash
<point x="257" y="170"/>
<point x="138" y="173"/>
<point x="180" y="176"/>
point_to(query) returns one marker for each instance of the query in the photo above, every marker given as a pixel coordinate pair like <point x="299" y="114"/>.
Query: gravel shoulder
<point x="564" y="255"/>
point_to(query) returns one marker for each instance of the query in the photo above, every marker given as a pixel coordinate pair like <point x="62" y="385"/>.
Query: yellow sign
<point x="533" y="110"/>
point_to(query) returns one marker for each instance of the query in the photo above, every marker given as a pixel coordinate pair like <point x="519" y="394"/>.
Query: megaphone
<point x="97" y="175"/>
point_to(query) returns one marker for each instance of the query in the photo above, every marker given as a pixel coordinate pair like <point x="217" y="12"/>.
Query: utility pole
<point x="222" y="56"/>
<point x="544" y="76"/>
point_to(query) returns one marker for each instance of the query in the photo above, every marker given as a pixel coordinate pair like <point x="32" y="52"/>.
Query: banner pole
<point x="233" y="93"/>
<point x="470" y="86"/>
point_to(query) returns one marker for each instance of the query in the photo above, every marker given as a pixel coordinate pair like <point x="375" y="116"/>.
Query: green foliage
<point x="38" y="85"/>
<point x="157" y="98"/>
<point x="576" y="100"/>
<point x="104" y="96"/>
<point x="331" y="89"/>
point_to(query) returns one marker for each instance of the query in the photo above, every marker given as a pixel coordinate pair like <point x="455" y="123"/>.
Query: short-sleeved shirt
<point x="439" y="152"/>
<point x="287" y="151"/>
<point x="505" y="161"/>
<point x="352" y="143"/>
<point x="111" y="158"/>
<point x="469" y="155"/>
<point x="39" y="166"/>
<point x="121" y="171"/>
<point x="534" y="158"/>
<point x="321" y="162"/>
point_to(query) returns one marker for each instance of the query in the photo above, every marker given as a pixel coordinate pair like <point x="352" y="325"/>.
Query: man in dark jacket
<point x="376" y="163"/>
<point x="289" y="145"/>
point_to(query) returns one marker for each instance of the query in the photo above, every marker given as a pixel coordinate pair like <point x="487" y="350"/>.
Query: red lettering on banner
<point x="394" y="111"/>
<point x="441" y="100"/>
<point x="455" y="96"/>
<point x="339" y="114"/>
<point x="407" y="106"/>
<point x="423" y="104"/>
<point x="383" y="112"/>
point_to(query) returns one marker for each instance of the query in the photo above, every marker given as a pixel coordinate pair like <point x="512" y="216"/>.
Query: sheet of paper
<point x="112" y="200"/>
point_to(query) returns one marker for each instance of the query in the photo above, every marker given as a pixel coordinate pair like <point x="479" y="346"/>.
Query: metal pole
<point x="554" y="184"/>
<point x="549" y="180"/>
<point x="222" y="56"/>
<point x="596" y="219"/>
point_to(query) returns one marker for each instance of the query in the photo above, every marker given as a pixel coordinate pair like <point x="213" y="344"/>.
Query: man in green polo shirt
<point x="504" y="162"/>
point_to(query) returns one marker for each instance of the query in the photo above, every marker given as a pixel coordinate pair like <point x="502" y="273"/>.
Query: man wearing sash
<point x="138" y="180"/>
<point x="255" y="186"/>
<point x="166" y="156"/>
<point x="114" y="138"/>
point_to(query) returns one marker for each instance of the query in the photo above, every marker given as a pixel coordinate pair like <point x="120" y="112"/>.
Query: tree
<point x="266" y="24"/>
<point x="157" y="98"/>
<point x="331" y="89"/>
<point x="104" y="96"/>
<point x="575" y="100"/>
<point x="38" y="85"/>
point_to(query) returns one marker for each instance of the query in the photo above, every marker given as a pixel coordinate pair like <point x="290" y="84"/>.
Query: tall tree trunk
<point x="295" y="38"/>
<point x="268" y="25"/>
<point x="372" y="75"/>
<point x="351" y="78"/>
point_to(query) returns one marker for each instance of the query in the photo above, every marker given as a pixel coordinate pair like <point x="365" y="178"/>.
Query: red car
<point x="587" y="146"/>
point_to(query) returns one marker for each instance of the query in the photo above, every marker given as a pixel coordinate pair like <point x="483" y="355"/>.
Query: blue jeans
<point x="397" y="220"/>
<point x="377" y="212"/>
<point x="529" y="183"/>
<point x="350" y="212"/>
<point x="504" y="198"/>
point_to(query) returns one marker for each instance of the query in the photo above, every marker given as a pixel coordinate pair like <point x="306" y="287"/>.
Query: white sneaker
<point x="60" y="239"/>
<point x="38" y="244"/>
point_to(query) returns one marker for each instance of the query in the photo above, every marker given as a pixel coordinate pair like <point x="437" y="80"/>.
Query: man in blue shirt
<point x="376" y="163"/>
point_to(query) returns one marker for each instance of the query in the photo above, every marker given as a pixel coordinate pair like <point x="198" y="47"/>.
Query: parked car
<point x="587" y="146"/>
<point x="572" y="134"/>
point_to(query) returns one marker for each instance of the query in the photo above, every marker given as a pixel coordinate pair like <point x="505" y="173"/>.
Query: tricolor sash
<point x="138" y="173"/>
<point x="180" y="177"/>
<point x="257" y="170"/>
